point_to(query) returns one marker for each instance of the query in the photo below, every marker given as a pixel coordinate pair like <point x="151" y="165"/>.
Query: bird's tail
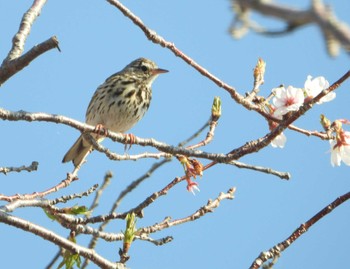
<point x="78" y="152"/>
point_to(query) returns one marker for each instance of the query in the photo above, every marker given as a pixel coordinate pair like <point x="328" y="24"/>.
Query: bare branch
<point x="58" y="240"/>
<point x="63" y="184"/>
<point x="66" y="198"/>
<point x="137" y="210"/>
<point x="25" y="27"/>
<point x="30" y="168"/>
<point x="157" y="242"/>
<point x="282" y="175"/>
<point x="209" y="208"/>
<point x="280" y="247"/>
<point x="10" y="207"/>
<point x="14" y="62"/>
<point x="33" y="202"/>
<point x="106" y="181"/>
<point x="321" y="135"/>
<point x="10" y="68"/>
<point x="67" y="221"/>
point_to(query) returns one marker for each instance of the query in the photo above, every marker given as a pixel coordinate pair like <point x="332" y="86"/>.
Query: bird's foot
<point x="100" y="130"/>
<point x="129" y="141"/>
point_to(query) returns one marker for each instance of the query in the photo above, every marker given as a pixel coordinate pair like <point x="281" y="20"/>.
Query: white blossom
<point x="314" y="87"/>
<point x="279" y="141"/>
<point x="340" y="149"/>
<point x="286" y="100"/>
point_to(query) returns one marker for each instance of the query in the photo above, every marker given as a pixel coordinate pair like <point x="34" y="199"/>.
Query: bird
<point x="117" y="104"/>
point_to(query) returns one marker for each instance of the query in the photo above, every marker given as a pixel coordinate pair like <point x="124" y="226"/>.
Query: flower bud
<point x="216" y="108"/>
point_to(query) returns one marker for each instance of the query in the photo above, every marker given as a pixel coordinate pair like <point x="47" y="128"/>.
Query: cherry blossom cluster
<point x="290" y="99"/>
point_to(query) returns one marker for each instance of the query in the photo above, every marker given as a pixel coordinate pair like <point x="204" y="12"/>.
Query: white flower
<point x="279" y="141"/>
<point x="313" y="87"/>
<point x="340" y="149"/>
<point x="286" y="100"/>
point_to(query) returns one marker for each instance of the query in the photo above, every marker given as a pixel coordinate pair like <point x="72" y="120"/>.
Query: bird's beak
<point x="159" y="71"/>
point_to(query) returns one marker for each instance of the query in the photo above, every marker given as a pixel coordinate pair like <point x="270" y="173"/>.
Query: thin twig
<point x="107" y="179"/>
<point x="157" y="242"/>
<point x="33" y="167"/>
<point x="321" y="135"/>
<point x="66" y="198"/>
<point x="63" y="184"/>
<point x="208" y="208"/>
<point x="282" y="175"/>
<point x="195" y="135"/>
<point x="54" y="260"/>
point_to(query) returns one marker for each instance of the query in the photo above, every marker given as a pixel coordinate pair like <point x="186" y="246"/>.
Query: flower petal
<point x="346" y="155"/>
<point x="313" y="87"/>
<point x="335" y="154"/>
<point x="279" y="141"/>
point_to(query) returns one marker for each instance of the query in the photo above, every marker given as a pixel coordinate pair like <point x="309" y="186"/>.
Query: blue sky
<point x="97" y="40"/>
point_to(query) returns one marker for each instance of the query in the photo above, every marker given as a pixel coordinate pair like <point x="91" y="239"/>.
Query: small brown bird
<point x="118" y="104"/>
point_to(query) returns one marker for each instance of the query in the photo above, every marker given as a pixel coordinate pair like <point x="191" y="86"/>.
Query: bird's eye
<point x="144" y="68"/>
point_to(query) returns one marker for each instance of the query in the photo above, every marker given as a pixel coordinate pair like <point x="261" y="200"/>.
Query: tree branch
<point x="277" y="249"/>
<point x="11" y="67"/>
<point x="63" y="184"/>
<point x="58" y="240"/>
<point x="25" y="27"/>
<point x="334" y="31"/>
<point x="282" y="175"/>
<point x="209" y="208"/>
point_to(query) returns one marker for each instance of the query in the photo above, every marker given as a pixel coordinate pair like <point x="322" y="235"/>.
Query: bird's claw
<point x="100" y="130"/>
<point x="129" y="141"/>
